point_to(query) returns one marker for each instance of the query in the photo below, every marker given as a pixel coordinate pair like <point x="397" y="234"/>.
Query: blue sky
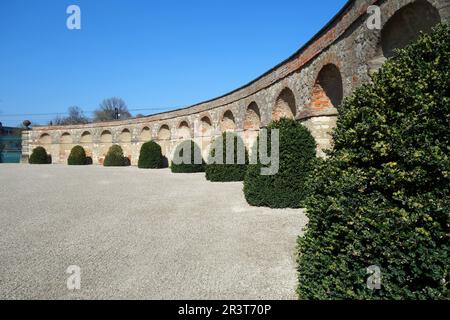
<point x="155" y="54"/>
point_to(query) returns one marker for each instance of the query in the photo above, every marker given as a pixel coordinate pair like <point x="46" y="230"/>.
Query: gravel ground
<point x="139" y="234"/>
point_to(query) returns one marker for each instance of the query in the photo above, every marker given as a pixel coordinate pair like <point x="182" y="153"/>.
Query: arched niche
<point x="184" y="131"/>
<point x="228" y="122"/>
<point x="285" y="106"/>
<point x="328" y="89"/>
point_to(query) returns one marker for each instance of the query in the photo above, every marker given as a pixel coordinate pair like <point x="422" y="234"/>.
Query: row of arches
<point x="326" y="93"/>
<point x="285" y="106"/>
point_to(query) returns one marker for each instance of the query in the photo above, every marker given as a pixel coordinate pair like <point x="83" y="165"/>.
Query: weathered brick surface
<point x="346" y="44"/>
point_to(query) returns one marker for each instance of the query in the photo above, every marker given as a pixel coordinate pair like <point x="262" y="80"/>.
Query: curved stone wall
<point x="307" y="86"/>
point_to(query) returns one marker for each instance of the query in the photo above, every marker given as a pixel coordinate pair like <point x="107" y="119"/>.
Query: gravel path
<point x="139" y="234"/>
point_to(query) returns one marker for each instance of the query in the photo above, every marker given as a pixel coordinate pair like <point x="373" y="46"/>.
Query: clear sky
<point x="155" y="54"/>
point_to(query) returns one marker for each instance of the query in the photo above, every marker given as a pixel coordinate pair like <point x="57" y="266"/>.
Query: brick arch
<point x="86" y="137"/>
<point x="164" y="132"/>
<point x="328" y="90"/>
<point x="66" y="138"/>
<point x="45" y="138"/>
<point x="183" y="130"/>
<point x="406" y="24"/>
<point x="401" y="28"/>
<point x="145" y="134"/>
<point x="106" y="136"/>
<point x="125" y="135"/>
<point x="285" y="105"/>
<point x="205" y="125"/>
<point x="65" y="146"/>
<point x="252" y="117"/>
<point x="227" y="121"/>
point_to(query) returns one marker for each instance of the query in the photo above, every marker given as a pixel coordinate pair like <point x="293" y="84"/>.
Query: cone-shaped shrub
<point x="286" y="188"/>
<point x="115" y="158"/>
<point x="379" y="207"/>
<point x="187" y="152"/>
<point x="223" y="171"/>
<point x="77" y="157"/>
<point x="39" y="156"/>
<point x="150" y="156"/>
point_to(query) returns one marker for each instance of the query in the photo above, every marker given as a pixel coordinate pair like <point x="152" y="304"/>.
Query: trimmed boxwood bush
<point x="382" y="198"/>
<point x="191" y="166"/>
<point x="77" y="157"/>
<point x="115" y="157"/>
<point x="285" y="189"/>
<point x="226" y="172"/>
<point x="40" y="156"/>
<point x="150" y="156"/>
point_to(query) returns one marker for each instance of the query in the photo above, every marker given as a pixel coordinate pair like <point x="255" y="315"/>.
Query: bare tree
<point x="108" y="108"/>
<point x="75" y="116"/>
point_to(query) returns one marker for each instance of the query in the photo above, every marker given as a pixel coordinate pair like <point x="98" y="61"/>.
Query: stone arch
<point x="65" y="146"/>
<point x="228" y="123"/>
<point x="164" y="137"/>
<point x="183" y="130"/>
<point x="106" y="137"/>
<point x="45" y="138"/>
<point x="406" y="24"/>
<point x="252" y="124"/>
<point x="146" y="134"/>
<point x="403" y="27"/>
<point x="66" y="138"/>
<point x="125" y="135"/>
<point x="206" y="126"/>
<point x="164" y="132"/>
<point x="86" y="137"/>
<point x="285" y="106"/>
<point x="328" y="90"/>
<point x="252" y="117"/>
<point x="86" y="142"/>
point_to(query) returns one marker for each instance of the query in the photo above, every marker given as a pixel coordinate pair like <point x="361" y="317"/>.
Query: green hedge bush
<point x="382" y="198"/>
<point x="150" y="156"/>
<point x="40" y="156"/>
<point x="216" y="172"/>
<point x="77" y="157"/>
<point x="115" y="157"/>
<point x="190" y="167"/>
<point x="285" y="189"/>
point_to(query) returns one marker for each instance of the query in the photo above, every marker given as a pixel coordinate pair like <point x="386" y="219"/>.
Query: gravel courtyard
<point x="139" y="234"/>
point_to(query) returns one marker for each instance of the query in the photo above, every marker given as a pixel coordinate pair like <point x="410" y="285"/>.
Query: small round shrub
<point x="114" y="157"/>
<point x="223" y="172"/>
<point x="382" y="198"/>
<point x="77" y="157"/>
<point x="39" y="156"/>
<point x="286" y="188"/>
<point x="193" y="149"/>
<point x="150" y="156"/>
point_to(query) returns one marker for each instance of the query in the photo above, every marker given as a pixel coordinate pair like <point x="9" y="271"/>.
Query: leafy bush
<point x="115" y="157"/>
<point x="40" y="156"/>
<point x="150" y="156"/>
<point x="189" y="167"/>
<point x="285" y="189"/>
<point x="222" y="172"/>
<point x="77" y="157"/>
<point x="382" y="198"/>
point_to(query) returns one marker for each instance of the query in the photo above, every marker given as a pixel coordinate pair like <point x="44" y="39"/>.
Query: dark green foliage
<point x="286" y="189"/>
<point x="77" y="157"/>
<point x="190" y="167"/>
<point x="382" y="198"/>
<point x="150" y="156"/>
<point x="226" y="172"/>
<point x="115" y="157"/>
<point x="40" y="156"/>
